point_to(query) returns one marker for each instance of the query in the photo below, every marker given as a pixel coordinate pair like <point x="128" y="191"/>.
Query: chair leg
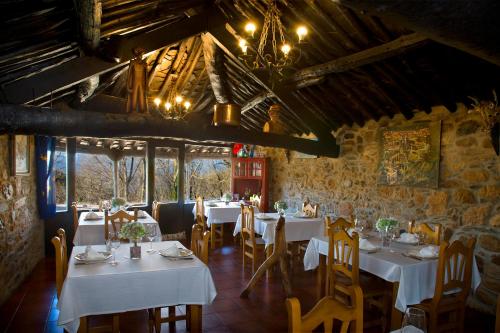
<point x="433" y="318"/>
<point x="116" y="323"/>
<point x="188" y="317"/>
<point x="171" y="314"/>
<point x="212" y="236"/>
<point x="460" y="321"/>
<point x="84" y="325"/>
<point x="195" y="318"/>
<point x="158" y="320"/>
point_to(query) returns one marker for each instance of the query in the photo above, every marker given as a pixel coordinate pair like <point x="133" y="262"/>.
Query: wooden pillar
<point x="70" y="171"/>
<point x="181" y="171"/>
<point x="150" y="174"/>
<point x="115" y="177"/>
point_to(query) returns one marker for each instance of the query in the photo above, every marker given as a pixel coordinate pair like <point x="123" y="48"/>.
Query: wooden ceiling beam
<point x="227" y="42"/>
<point x="438" y="20"/>
<point x="214" y="63"/>
<point x="120" y="48"/>
<point x="368" y="56"/>
<point x="19" y="119"/>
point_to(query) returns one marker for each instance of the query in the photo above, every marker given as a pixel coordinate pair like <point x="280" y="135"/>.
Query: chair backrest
<point x="325" y="312"/>
<point x="309" y="209"/>
<point x="257" y="202"/>
<point x="117" y="220"/>
<point x="200" y="208"/>
<point x="454" y="271"/>
<point x="74" y="209"/>
<point x="155" y="211"/>
<point x="339" y="224"/>
<point x="247" y="222"/>
<point x="61" y="253"/>
<point x="343" y="259"/>
<point x="199" y="242"/>
<point x="432" y="234"/>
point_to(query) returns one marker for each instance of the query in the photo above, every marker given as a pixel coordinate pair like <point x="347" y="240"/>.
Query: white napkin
<point x="364" y="244"/>
<point x="429" y="251"/>
<point x="141" y="213"/>
<point x="411" y="329"/>
<point x="350" y="231"/>
<point x="94" y="255"/>
<point x="261" y="216"/>
<point x="408" y="238"/>
<point x="172" y="251"/>
<point x="91" y="216"/>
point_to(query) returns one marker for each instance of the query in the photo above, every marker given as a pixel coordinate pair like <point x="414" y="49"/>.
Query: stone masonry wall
<point x="466" y="201"/>
<point x="21" y="239"/>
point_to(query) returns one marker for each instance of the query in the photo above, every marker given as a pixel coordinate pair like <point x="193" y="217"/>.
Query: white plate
<point x="264" y="217"/>
<point x="87" y="218"/>
<point x="398" y="240"/>
<point x="416" y="254"/>
<point x="370" y="251"/>
<point x="183" y="253"/>
<point x="83" y="257"/>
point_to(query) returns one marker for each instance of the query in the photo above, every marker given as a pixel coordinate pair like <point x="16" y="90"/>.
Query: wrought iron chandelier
<point x="270" y="57"/>
<point x="173" y="108"/>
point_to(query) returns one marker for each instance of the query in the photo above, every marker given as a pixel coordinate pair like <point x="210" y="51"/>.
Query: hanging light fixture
<point x="280" y="53"/>
<point x="174" y="107"/>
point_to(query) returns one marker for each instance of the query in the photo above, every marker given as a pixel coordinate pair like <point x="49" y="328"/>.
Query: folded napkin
<point x="364" y="244"/>
<point x="408" y="238"/>
<point x="91" y="216"/>
<point x="141" y="213"/>
<point x="172" y="251"/>
<point x="410" y="329"/>
<point x="350" y="231"/>
<point x="94" y="255"/>
<point x="262" y="216"/>
<point x="430" y="251"/>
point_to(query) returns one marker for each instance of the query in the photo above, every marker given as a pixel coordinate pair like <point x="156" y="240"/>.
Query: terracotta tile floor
<point x="32" y="308"/>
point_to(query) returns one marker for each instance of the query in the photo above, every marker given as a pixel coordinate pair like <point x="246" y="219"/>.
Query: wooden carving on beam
<point x="137" y="83"/>
<point x="490" y="115"/>
<point x="274" y="125"/>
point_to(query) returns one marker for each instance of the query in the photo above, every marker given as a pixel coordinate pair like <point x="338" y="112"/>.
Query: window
<point x="166" y="174"/>
<point x="93" y="179"/>
<point x="208" y="177"/>
<point x="60" y="174"/>
<point x="132" y="179"/>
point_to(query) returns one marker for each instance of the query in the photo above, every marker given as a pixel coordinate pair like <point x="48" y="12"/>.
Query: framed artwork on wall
<point x="19" y="155"/>
<point x="409" y="155"/>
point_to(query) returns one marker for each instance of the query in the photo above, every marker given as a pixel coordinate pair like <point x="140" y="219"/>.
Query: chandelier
<point x="281" y="53"/>
<point x="172" y="108"/>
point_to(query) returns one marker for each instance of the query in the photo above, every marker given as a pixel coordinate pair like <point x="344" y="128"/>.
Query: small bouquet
<point x="280" y="207"/>
<point x="384" y="224"/>
<point x="227" y="197"/>
<point x="133" y="231"/>
<point x="117" y="202"/>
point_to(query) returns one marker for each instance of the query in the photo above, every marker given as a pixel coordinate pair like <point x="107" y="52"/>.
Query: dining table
<point x="153" y="281"/>
<point x="413" y="278"/>
<point x="219" y="212"/>
<point x="297" y="227"/>
<point x="91" y="231"/>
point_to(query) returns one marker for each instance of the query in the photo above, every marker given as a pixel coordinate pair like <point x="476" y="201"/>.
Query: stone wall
<point x="466" y="201"/>
<point x="21" y="239"/>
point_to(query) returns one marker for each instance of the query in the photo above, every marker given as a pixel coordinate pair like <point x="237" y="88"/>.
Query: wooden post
<point x="150" y="174"/>
<point x="71" y="172"/>
<point x="115" y="178"/>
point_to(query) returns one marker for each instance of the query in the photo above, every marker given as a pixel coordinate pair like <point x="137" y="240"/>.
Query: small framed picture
<point x="19" y="151"/>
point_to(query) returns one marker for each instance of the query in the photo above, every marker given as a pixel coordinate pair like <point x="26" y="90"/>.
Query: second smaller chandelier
<point x="281" y="53"/>
<point x="175" y="108"/>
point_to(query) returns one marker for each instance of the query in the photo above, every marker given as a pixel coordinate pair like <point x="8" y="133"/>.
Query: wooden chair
<point x="117" y="220"/>
<point x="199" y="246"/>
<point x="216" y="230"/>
<point x="343" y="273"/>
<point x="61" y="253"/>
<point x="453" y="283"/>
<point x="74" y="209"/>
<point x="432" y="235"/>
<point x="155" y="211"/>
<point x="309" y="209"/>
<point x="325" y="312"/>
<point x="250" y="243"/>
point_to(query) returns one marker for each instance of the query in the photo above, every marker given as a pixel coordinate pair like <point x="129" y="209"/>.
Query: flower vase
<point x="135" y="251"/>
<point x="385" y="235"/>
<point x="281" y="212"/>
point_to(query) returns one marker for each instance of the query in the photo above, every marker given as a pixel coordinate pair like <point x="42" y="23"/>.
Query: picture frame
<point x="19" y="155"/>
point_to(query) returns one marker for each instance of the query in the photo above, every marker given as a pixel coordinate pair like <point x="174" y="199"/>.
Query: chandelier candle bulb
<point x="168" y="106"/>
<point x="187" y="105"/>
<point x="301" y="33"/>
<point x="243" y="45"/>
<point x="250" y="28"/>
<point x="178" y="99"/>
<point x="157" y="101"/>
<point x="285" y="48"/>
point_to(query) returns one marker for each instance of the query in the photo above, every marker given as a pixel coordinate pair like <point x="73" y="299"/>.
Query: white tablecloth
<point x="153" y="281"/>
<point x="91" y="232"/>
<point x="296" y="229"/>
<point x="221" y="213"/>
<point x="417" y="278"/>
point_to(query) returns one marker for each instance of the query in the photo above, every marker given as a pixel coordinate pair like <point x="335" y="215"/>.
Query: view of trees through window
<point x="166" y="174"/>
<point x="132" y="179"/>
<point x="60" y="178"/>
<point x="94" y="178"/>
<point x="210" y="178"/>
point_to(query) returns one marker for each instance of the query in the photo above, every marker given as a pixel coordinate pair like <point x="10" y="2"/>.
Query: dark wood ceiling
<point x="42" y="35"/>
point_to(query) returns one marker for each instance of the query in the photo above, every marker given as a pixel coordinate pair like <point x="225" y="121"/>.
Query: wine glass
<point x="151" y="232"/>
<point x="414" y="321"/>
<point x="115" y="244"/>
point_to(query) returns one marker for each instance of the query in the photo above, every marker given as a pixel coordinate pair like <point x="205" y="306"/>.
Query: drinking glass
<point x="151" y="232"/>
<point x="115" y="244"/>
<point x="414" y="321"/>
